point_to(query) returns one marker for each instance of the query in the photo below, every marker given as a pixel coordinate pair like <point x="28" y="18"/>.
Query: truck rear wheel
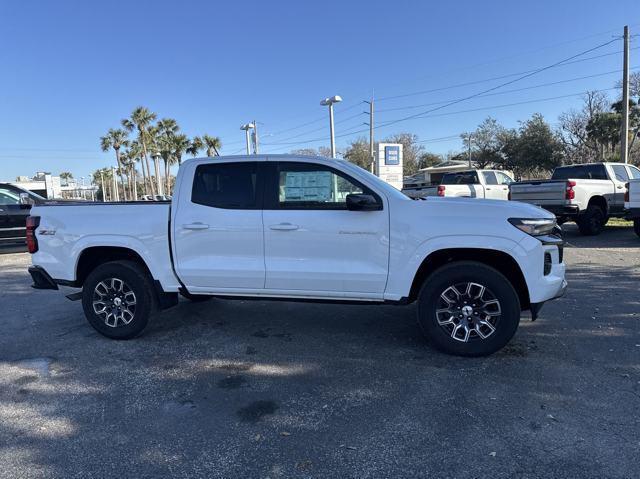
<point x="117" y="298"/>
<point x="592" y="221"/>
<point x="468" y="309"/>
<point x="636" y="226"/>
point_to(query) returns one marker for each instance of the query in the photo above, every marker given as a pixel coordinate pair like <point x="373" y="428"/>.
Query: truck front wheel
<point x="468" y="309"/>
<point x="117" y="298"/>
<point x="592" y="221"/>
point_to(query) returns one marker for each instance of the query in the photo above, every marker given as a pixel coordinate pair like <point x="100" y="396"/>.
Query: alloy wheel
<point x="115" y="302"/>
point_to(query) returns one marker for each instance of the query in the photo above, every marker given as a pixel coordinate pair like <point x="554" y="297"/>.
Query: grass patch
<point x="620" y="223"/>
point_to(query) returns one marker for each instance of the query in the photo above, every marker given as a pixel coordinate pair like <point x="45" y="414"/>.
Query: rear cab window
<point x="461" y="178"/>
<point x="490" y="178"/>
<point x="635" y="172"/>
<point x="580" y="172"/>
<point x="620" y="173"/>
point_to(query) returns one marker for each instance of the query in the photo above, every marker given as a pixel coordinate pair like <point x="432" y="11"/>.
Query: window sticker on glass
<point x="306" y="186"/>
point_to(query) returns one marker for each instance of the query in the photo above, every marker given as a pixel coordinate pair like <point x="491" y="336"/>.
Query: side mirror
<point x="26" y="200"/>
<point x="362" y="202"/>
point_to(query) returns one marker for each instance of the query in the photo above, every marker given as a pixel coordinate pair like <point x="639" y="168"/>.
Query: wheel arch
<point x="93" y="256"/>
<point x="499" y="260"/>
<point x="600" y="201"/>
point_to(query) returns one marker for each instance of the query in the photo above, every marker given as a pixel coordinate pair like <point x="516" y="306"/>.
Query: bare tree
<point x="579" y="147"/>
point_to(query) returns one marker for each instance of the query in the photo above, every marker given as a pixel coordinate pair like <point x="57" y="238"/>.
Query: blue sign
<point x="391" y="155"/>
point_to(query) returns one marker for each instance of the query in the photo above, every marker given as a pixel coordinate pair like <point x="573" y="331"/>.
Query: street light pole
<point x="255" y="137"/>
<point x="246" y="127"/>
<point x="329" y="102"/>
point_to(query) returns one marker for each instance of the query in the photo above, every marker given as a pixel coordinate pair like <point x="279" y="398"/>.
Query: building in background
<point x="52" y="187"/>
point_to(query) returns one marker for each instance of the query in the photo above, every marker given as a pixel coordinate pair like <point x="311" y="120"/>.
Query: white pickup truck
<point x="632" y="204"/>
<point x="588" y="194"/>
<point x="303" y="228"/>
<point x="487" y="184"/>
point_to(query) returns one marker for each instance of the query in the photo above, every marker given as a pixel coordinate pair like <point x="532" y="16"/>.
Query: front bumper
<point x="536" y="307"/>
<point x="41" y="279"/>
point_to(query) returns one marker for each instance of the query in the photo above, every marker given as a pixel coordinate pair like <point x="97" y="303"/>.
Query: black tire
<point x="561" y="220"/>
<point x="196" y="298"/>
<point x="592" y="221"/>
<point x="139" y="307"/>
<point x="636" y="226"/>
<point x="430" y="305"/>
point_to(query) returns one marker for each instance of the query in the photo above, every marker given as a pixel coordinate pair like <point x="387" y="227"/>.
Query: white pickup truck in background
<point x="588" y="194"/>
<point x="303" y="228"/>
<point x="487" y="184"/>
<point x="632" y="204"/>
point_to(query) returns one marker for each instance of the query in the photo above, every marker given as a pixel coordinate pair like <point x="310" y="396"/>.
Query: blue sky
<point x="73" y="69"/>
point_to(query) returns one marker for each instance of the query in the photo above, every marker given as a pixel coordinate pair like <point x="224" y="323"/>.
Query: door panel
<point x="619" y="176"/>
<point x="13" y="216"/>
<point x="313" y="243"/>
<point x="218" y="230"/>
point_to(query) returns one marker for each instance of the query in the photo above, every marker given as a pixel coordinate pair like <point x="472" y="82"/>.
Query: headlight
<point x="534" y="226"/>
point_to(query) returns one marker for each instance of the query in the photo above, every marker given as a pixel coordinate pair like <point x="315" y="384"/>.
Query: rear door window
<point x="490" y="178"/>
<point x="635" y="172"/>
<point x="620" y="173"/>
<point x="227" y="185"/>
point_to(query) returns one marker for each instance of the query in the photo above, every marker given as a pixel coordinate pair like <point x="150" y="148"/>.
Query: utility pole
<point x="374" y="168"/>
<point x="255" y="137"/>
<point x="624" y="134"/>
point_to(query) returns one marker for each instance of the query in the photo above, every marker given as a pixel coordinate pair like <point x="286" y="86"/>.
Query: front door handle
<point x="196" y="226"/>
<point x="284" y="227"/>
<point x="619" y="187"/>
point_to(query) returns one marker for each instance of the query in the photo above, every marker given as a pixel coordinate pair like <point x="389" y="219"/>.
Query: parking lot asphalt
<point x="279" y="389"/>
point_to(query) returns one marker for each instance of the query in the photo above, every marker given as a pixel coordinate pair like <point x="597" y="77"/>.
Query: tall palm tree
<point x="136" y="155"/>
<point x="166" y="130"/>
<point x="213" y="144"/>
<point x="115" y="139"/>
<point x="140" y="120"/>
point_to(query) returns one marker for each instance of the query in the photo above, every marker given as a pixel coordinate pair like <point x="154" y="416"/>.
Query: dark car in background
<point x="15" y="205"/>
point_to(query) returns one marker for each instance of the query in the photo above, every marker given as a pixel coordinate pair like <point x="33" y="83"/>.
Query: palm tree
<point x="178" y="146"/>
<point x="66" y="176"/>
<point x="195" y="146"/>
<point x="115" y="139"/>
<point x="140" y="120"/>
<point x="213" y="144"/>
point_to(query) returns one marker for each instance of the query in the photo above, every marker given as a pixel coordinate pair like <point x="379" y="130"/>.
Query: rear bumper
<point x="41" y="279"/>
<point x="562" y="210"/>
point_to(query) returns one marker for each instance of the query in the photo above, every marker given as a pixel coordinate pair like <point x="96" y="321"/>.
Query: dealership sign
<point x="390" y="163"/>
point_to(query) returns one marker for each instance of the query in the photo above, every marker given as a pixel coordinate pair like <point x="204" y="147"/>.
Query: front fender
<point x="403" y="270"/>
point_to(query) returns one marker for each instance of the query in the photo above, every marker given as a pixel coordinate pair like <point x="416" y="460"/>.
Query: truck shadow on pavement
<point x="611" y="237"/>
<point x="232" y="388"/>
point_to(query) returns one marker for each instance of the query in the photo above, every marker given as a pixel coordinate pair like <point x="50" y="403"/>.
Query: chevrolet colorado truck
<point x="308" y="229"/>
<point x="488" y="184"/>
<point x="632" y="203"/>
<point x="588" y="194"/>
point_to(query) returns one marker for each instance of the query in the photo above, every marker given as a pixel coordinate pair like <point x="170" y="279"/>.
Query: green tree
<point x="140" y="120"/>
<point x="212" y="145"/>
<point x="116" y="139"/>
<point x="358" y="153"/>
<point x="486" y="143"/>
<point x="532" y="149"/>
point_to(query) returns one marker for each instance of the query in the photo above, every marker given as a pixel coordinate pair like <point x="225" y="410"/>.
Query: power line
<point x="514" y="90"/>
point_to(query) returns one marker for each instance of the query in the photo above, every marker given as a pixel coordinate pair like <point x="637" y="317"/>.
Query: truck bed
<point x="67" y="228"/>
<point x="539" y="192"/>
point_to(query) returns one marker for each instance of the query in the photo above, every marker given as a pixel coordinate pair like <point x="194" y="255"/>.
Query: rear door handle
<point x="619" y="187"/>
<point x="196" y="226"/>
<point x="284" y="227"/>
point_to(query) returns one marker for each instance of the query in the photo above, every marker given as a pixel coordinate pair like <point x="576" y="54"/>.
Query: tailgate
<point x="547" y="192"/>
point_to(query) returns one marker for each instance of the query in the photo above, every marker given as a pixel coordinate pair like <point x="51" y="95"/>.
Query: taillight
<point x="626" y="193"/>
<point x="571" y="194"/>
<point x="32" y="242"/>
<point x="441" y="189"/>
